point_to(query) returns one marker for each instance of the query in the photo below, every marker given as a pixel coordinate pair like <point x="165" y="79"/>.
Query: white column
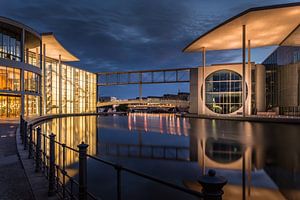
<point x="244" y="68"/>
<point x="44" y="79"/>
<point x="249" y="79"/>
<point x="60" y="84"/>
<point x="203" y="80"/>
<point x="22" y="73"/>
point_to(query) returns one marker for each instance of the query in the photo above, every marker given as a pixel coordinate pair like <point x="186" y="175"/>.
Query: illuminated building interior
<point x="35" y="78"/>
<point x="224" y="91"/>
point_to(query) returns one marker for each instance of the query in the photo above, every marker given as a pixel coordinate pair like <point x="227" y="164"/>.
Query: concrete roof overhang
<point x="265" y="26"/>
<point x="54" y="49"/>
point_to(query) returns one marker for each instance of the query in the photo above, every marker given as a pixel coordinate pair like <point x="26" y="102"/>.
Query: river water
<point x="180" y="150"/>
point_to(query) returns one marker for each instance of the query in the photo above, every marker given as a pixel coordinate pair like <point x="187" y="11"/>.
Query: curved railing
<point x="42" y="147"/>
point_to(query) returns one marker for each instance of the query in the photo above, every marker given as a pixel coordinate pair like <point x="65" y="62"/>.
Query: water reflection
<point x="181" y="149"/>
<point x="72" y="131"/>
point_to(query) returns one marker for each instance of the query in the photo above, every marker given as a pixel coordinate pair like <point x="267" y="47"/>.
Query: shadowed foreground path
<point x="13" y="181"/>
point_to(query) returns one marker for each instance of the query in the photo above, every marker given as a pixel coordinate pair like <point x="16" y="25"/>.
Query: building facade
<point x="20" y="70"/>
<point x="35" y="78"/>
<point x="222" y="86"/>
<point x="283" y="80"/>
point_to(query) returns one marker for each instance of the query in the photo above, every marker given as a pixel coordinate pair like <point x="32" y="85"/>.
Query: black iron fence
<point x="42" y="148"/>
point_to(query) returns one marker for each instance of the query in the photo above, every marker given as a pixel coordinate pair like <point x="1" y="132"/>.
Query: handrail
<point x="146" y="176"/>
<point x="44" y="156"/>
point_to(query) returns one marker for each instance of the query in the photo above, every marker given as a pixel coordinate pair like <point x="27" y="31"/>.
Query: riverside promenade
<point x="13" y="181"/>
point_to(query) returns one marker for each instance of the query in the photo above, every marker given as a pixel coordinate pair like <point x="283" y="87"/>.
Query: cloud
<point x="132" y="34"/>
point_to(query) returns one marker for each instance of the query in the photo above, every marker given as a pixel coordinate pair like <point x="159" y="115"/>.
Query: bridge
<point x="147" y="103"/>
<point x="177" y="75"/>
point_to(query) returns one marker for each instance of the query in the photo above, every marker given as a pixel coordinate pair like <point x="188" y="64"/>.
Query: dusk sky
<point x="120" y="35"/>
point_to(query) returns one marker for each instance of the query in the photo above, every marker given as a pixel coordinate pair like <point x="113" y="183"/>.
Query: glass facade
<point x="10" y="44"/>
<point x="31" y="105"/>
<point x="10" y="78"/>
<point x="65" y="89"/>
<point x="69" y="89"/>
<point x="32" y="82"/>
<point x="283" y="80"/>
<point x="10" y="106"/>
<point x="223" y="91"/>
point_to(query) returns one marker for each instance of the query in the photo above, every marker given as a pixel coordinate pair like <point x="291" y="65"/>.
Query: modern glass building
<point x="35" y="78"/>
<point x="20" y="70"/>
<point x="270" y="88"/>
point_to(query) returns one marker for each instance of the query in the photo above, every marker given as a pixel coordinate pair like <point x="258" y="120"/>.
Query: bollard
<point x="30" y="142"/>
<point x="25" y="136"/>
<point x="38" y="155"/>
<point x="212" y="185"/>
<point x="51" y="189"/>
<point x="82" y="171"/>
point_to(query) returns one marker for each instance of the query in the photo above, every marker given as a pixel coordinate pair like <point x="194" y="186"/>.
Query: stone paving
<point x="13" y="181"/>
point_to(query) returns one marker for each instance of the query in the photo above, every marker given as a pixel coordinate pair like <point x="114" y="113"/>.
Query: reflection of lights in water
<point x="161" y="130"/>
<point x="129" y="121"/>
<point x="160" y="123"/>
<point x="145" y="123"/>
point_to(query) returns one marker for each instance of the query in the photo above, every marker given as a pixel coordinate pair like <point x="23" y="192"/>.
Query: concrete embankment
<point x="252" y="118"/>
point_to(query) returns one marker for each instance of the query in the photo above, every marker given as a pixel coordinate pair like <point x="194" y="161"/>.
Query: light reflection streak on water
<point x="160" y="123"/>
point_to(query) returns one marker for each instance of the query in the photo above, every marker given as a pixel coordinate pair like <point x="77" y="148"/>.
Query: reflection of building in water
<point x="72" y="131"/>
<point x="219" y="144"/>
<point x="161" y="123"/>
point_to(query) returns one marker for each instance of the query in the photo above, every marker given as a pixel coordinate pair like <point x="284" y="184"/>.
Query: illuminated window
<point x="9" y="78"/>
<point x="223" y="91"/>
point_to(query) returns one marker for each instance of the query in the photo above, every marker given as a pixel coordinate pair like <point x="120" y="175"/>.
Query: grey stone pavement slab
<point x="13" y="181"/>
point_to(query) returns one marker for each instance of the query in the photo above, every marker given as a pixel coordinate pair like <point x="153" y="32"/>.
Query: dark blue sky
<point x="119" y="35"/>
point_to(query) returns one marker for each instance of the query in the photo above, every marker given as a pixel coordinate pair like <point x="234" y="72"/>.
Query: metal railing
<point x="42" y="148"/>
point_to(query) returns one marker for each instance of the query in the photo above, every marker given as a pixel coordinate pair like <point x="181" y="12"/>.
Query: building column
<point x="203" y="80"/>
<point x="41" y="79"/>
<point x="60" y="85"/>
<point x="244" y="68"/>
<point x="22" y="73"/>
<point x="260" y="88"/>
<point x="249" y="111"/>
<point x="44" y="80"/>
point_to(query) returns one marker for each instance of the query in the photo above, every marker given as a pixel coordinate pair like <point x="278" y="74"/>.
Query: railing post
<point x="51" y="189"/>
<point x="25" y="136"/>
<point x="30" y="142"/>
<point x="38" y="155"/>
<point x="82" y="171"/>
<point x="212" y="185"/>
<point x="64" y="170"/>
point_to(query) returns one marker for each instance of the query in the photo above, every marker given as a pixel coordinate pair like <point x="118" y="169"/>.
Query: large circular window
<point x="223" y="91"/>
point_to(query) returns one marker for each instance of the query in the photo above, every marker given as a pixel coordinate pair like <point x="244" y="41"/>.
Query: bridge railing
<point x="43" y="149"/>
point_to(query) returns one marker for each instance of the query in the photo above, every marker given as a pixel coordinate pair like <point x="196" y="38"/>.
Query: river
<point x="180" y="150"/>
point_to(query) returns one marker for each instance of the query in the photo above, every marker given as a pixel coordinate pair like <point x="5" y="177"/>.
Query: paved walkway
<point x="13" y="181"/>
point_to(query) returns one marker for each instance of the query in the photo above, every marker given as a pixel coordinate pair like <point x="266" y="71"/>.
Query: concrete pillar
<point x="260" y="88"/>
<point x="60" y="84"/>
<point x="195" y="101"/>
<point x="22" y="73"/>
<point x="44" y="80"/>
<point x="203" y="81"/>
<point x="244" y="69"/>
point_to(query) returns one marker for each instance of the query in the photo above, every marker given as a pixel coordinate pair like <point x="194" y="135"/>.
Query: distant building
<point x="107" y="99"/>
